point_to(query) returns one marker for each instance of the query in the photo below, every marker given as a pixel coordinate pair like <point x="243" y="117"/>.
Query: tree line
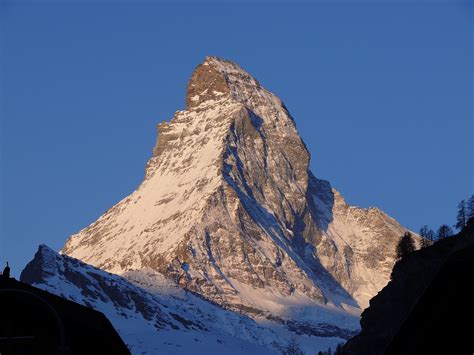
<point x="407" y="244"/>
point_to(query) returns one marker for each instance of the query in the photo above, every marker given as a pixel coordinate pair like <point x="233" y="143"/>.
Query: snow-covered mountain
<point x="156" y="316"/>
<point x="229" y="210"/>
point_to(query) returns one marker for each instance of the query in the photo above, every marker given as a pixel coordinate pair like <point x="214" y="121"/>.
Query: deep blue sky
<point x="382" y="95"/>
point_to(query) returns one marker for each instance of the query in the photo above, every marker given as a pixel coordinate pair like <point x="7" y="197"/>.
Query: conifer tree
<point x="470" y="208"/>
<point x="427" y="236"/>
<point x="461" y="219"/>
<point x="405" y="246"/>
<point x="443" y="232"/>
<point x="293" y="348"/>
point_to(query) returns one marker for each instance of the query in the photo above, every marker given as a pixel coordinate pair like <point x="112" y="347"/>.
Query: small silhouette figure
<point x="6" y="272"/>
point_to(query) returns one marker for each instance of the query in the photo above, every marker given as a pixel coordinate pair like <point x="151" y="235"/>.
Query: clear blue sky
<point x="382" y="95"/>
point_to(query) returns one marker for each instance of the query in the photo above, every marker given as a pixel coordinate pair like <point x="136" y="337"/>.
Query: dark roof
<point x="34" y="321"/>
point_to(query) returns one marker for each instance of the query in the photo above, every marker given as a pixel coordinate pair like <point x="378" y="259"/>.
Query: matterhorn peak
<point x="216" y="79"/>
<point x="230" y="210"/>
<point x="208" y="82"/>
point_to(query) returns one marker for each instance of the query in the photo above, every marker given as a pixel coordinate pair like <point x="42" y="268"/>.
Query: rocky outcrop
<point x="230" y="210"/>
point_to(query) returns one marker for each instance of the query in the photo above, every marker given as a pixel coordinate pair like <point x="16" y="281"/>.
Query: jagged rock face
<point x="229" y="209"/>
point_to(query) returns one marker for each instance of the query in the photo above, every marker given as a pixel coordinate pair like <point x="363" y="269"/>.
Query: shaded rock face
<point x="229" y="208"/>
<point x="426" y="305"/>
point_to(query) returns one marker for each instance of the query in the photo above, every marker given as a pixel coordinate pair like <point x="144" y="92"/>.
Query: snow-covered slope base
<point x="155" y="316"/>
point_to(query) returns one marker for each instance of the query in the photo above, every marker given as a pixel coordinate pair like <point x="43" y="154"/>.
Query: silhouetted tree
<point x="327" y="352"/>
<point x="461" y="219"/>
<point x="338" y="350"/>
<point x="6" y="272"/>
<point x="443" y="232"/>
<point x="470" y="208"/>
<point x="427" y="235"/>
<point x="293" y="348"/>
<point x="405" y="246"/>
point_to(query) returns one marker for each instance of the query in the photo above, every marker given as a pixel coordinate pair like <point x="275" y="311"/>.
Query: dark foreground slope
<point x="427" y="306"/>
<point x="33" y="321"/>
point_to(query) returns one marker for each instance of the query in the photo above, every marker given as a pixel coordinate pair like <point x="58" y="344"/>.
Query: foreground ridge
<point x="427" y="291"/>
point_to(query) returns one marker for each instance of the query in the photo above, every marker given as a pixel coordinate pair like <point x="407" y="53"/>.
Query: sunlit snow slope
<point x="155" y="316"/>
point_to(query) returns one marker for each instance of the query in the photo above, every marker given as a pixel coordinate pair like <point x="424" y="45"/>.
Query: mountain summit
<point x="230" y="210"/>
